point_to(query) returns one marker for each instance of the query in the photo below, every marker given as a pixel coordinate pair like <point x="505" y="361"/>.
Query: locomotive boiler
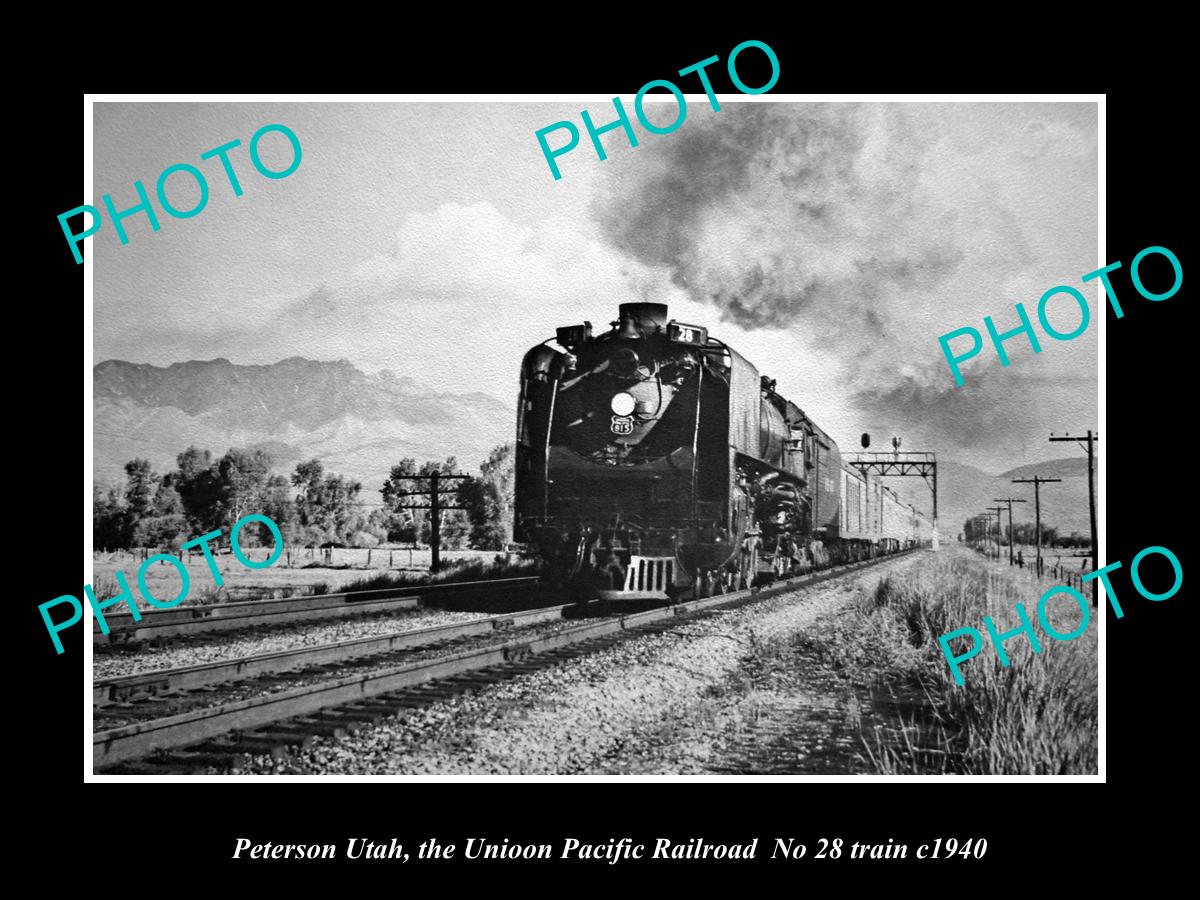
<point x="653" y="460"/>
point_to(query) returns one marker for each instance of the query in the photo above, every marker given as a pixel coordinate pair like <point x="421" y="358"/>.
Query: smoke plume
<point x="790" y="215"/>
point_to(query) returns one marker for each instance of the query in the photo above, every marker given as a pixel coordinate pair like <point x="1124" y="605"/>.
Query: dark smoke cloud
<point x="787" y="214"/>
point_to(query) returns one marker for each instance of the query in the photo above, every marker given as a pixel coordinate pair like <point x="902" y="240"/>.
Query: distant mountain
<point x="965" y="491"/>
<point x="356" y="424"/>
<point x="360" y="425"/>
<point x="1071" y="467"/>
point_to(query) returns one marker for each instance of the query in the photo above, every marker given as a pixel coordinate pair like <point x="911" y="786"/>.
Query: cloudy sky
<point x="830" y="244"/>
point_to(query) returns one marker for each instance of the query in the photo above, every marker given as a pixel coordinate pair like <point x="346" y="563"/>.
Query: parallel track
<point x="222" y="735"/>
<point x="127" y="688"/>
<point x="190" y="620"/>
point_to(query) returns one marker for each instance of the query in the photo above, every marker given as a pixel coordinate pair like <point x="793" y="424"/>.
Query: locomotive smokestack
<point x="648" y="318"/>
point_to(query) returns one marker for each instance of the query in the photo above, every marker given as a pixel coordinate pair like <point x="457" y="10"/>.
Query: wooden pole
<point x="435" y="529"/>
<point x="1092" y="511"/>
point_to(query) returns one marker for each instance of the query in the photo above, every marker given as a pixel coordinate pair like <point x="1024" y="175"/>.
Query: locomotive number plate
<point x="622" y="424"/>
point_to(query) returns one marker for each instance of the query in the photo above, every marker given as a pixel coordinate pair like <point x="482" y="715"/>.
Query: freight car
<point x="655" y="461"/>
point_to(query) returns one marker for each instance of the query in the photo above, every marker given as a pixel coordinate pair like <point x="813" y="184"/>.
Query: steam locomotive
<point x="654" y="461"/>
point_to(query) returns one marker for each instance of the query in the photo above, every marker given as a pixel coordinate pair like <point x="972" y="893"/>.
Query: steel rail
<point x="186" y="620"/>
<point x="123" y="688"/>
<point x="140" y="739"/>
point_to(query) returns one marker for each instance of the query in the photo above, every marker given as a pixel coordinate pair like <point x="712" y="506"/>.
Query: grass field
<point x="305" y="575"/>
<point x="1037" y="716"/>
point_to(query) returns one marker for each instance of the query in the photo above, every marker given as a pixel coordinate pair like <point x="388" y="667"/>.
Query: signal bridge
<point x="909" y="462"/>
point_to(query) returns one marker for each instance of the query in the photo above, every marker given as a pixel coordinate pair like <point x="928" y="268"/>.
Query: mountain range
<point x="965" y="491"/>
<point x="360" y="425"/>
<point x="296" y="409"/>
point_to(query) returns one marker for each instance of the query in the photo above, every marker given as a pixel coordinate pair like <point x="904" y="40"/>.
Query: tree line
<point x="978" y="530"/>
<point x="313" y="507"/>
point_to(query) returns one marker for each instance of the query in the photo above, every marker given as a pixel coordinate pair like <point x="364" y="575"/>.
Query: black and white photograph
<point x="597" y="438"/>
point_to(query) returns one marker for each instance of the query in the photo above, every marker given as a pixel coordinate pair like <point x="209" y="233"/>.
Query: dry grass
<point x="306" y="576"/>
<point x="454" y="570"/>
<point x="1037" y="716"/>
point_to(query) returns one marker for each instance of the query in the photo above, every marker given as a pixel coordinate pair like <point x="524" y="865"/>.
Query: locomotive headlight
<point x="623" y="404"/>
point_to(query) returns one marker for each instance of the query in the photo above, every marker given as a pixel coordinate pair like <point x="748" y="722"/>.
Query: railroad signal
<point x="911" y="462"/>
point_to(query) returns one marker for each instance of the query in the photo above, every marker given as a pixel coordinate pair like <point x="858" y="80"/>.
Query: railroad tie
<point x="411" y="702"/>
<point x="320" y="727"/>
<point x="374" y="705"/>
<point x="201" y="758"/>
<point x="336" y="718"/>
<point x="284" y="735"/>
<point x="144" y="767"/>
<point x="354" y="714"/>
<point x="239" y="748"/>
<point x="252" y="745"/>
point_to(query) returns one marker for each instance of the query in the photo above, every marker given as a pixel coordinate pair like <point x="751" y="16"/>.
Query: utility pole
<point x="985" y="521"/>
<point x="435" y="508"/>
<point x="1091" y="441"/>
<point x="986" y="516"/>
<point x="998" y="510"/>
<point x="435" y="524"/>
<point x="1037" y="481"/>
<point x="1010" y="501"/>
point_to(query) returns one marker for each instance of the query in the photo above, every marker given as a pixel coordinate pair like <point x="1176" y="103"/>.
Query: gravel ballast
<point x="267" y="640"/>
<point x="656" y="703"/>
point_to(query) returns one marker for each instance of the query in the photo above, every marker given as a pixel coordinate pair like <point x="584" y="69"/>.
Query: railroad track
<point x="225" y="734"/>
<point x="184" y="621"/>
<point x="143" y="686"/>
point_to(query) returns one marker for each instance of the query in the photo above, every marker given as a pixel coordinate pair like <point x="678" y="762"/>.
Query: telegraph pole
<point x="1037" y="481"/>
<point x="1091" y="441"/>
<point x="998" y="510"/>
<point x="981" y="520"/>
<point x="435" y="523"/>
<point x="1010" y="501"/>
<point x="986" y="515"/>
<point x="435" y="508"/>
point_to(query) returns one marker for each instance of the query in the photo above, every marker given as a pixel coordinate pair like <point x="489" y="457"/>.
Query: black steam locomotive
<point x="653" y="461"/>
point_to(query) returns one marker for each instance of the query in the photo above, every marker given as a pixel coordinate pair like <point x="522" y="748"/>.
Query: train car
<point x="653" y="460"/>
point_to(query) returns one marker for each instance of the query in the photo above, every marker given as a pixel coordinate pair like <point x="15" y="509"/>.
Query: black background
<point x="188" y="831"/>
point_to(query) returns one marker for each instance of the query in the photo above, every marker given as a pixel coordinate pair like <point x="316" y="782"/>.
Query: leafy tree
<point x="396" y="489"/>
<point x="168" y="532"/>
<point x="242" y="476"/>
<point x="198" y="484"/>
<point x="455" y="525"/>
<point x="485" y="511"/>
<point x="163" y="524"/>
<point x="378" y="524"/>
<point x="1026" y="533"/>
<point x="167" y="501"/>
<point x="141" y="484"/>
<point x="325" y="504"/>
<point x="402" y="524"/>
<point x="278" y="505"/>
<point x="108" y="518"/>
<point x="492" y="525"/>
